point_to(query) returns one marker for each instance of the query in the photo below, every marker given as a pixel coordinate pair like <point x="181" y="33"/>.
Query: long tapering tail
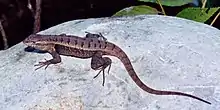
<point x="125" y="60"/>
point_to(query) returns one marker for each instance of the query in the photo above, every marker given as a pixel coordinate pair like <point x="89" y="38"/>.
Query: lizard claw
<point x="109" y="68"/>
<point x="103" y="71"/>
<point x="42" y="64"/>
<point x="98" y="74"/>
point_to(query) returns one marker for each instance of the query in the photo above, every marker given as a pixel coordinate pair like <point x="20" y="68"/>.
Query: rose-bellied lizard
<point x="92" y="46"/>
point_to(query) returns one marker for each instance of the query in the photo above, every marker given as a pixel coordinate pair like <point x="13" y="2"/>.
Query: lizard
<point x="93" y="46"/>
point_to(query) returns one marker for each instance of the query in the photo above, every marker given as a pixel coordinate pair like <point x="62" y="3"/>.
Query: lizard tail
<point x="127" y="63"/>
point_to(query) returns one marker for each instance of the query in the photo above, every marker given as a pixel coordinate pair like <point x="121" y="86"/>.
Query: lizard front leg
<point x="100" y="63"/>
<point x="56" y="59"/>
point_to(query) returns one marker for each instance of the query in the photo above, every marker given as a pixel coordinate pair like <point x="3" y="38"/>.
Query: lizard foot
<point x="56" y="59"/>
<point x="103" y="74"/>
<point x="103" y="71"/>
<point x="42" y="64"/>
<point x="106" y="62"/>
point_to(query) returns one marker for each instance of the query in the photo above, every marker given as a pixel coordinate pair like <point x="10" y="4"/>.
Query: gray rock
<point x="167" y="53"/>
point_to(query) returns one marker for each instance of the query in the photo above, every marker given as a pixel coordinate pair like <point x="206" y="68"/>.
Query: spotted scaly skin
<point x="92" y="46"/>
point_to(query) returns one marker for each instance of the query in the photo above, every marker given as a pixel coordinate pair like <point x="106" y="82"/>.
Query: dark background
<point x="18" y="19"/>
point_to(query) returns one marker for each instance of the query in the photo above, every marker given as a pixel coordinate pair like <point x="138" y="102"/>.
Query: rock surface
<point x="167" y="53"/>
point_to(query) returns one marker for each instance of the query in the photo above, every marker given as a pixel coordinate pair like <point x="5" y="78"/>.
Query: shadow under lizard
<point x="92" y="46"/>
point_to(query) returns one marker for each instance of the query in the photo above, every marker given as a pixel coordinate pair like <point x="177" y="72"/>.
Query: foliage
<point x="170" y="2"/>
<point x="193" y="12"/>
<point x="197" y="14"/>
<point x="137" y="10"/>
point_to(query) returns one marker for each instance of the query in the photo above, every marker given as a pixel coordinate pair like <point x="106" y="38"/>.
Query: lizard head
<point x="36" y="41"/>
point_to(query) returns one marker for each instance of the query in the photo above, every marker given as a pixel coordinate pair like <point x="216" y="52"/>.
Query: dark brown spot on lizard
<point x="113" y="47"/>
<point x="75" y="42"/>
<point x="61" y="39"/>
<point x="89" y="45"/>
<point x="82" y="44"/>
<point x="68" y="41"/>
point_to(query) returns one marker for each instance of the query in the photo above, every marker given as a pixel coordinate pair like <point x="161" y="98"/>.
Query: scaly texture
<point x="92" y="46"/>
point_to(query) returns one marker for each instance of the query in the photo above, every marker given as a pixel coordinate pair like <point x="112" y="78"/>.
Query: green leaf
<point x="136" y="10"/>
<point x="197" y="14"/>
<point x="170" y="2"/>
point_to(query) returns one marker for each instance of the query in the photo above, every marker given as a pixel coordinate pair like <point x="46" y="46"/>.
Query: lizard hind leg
<point x="101" y="63"/>
<point x="95" y="36"/>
